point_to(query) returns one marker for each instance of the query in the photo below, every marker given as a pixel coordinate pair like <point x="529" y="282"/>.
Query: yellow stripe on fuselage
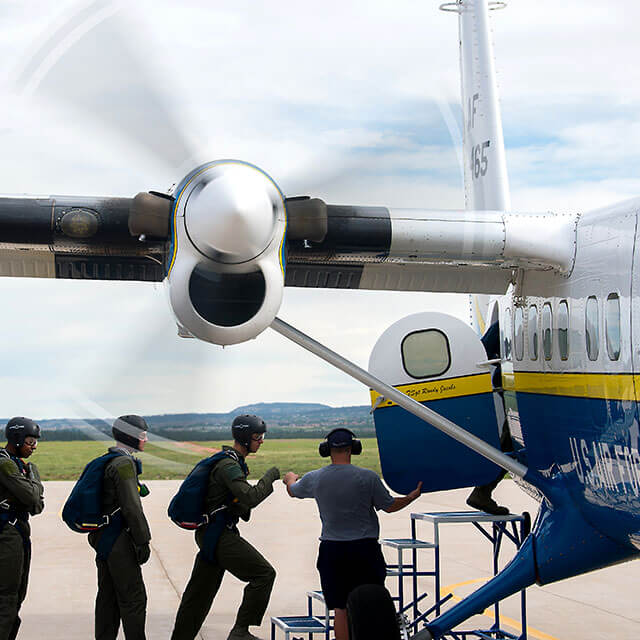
<point x="617" y="386"/>
<point x="440" y="389"/>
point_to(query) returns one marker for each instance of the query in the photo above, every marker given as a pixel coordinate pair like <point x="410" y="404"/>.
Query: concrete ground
<point x="63" y="581"/>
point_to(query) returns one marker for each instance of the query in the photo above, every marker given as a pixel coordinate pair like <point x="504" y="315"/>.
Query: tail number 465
<point x="479" y="160"/>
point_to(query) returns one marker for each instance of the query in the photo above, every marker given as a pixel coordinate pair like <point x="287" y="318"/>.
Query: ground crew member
<point x="347" y="497"/>
<point x="123" y="545"/>
<point x="21" y="495"/>
<point x="230" y="552"/>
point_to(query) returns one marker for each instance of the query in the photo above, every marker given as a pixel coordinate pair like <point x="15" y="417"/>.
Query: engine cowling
<point x="226" y="273"/>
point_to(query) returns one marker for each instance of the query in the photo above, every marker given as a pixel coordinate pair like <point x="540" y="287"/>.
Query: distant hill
<point x="284" y="420"/>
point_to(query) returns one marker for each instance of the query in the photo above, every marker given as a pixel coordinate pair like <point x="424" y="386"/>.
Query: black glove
<point x="143" y="551"/>
<point x="238" y="510"/>
<point x="272" y="475"/>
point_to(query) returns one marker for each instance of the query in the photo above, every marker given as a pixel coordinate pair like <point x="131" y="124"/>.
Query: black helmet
<point x="243" y="427"/>
<point x="20" y="428"/>
<point x="128" y="429"/>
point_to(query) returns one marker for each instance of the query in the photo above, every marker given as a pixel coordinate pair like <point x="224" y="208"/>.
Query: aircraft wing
<point x="83" y="237"/>
<point x="381" y="248"/>
<point x="327" y="246"/>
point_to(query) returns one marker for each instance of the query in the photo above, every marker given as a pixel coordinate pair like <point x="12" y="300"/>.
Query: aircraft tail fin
<point x="485" y="169"/>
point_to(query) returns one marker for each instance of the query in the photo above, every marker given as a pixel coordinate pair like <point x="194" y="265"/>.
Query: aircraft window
<point x="426" y="353"/>
<point x="532" y="326"/>
<point x="547" y="329"/>
<point x="506" y="337"/>
<point x="563" y="329"/>
<point x="612" y="328"/>
<point x="592" y="330"/>
<point x="518" y="322"/>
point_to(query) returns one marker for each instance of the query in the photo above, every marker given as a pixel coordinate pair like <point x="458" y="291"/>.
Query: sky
<point x="342" y="101"/>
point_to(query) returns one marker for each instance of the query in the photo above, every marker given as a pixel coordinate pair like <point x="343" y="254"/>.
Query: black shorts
<point x="343" y="566"/>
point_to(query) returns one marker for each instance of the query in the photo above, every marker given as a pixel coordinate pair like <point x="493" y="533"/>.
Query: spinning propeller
<point x="224" y="222"/>
<point x="218" y="237"/>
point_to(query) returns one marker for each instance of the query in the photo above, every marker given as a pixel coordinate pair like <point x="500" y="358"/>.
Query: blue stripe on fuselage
<point x="412" y="450"/>
<point x="592" y="446"/>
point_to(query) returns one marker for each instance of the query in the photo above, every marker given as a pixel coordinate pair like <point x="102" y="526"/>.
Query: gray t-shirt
<point x="347" y="497"/>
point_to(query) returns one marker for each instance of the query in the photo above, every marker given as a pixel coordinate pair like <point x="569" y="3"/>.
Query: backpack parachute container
<point x="187" y="507"/>
<point x="82" y="511"/>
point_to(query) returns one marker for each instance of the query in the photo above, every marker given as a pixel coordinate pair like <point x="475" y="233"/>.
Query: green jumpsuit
<point x="22" y="492"/>
<point x="121" y="592"/>
<point x="228" y="483"/>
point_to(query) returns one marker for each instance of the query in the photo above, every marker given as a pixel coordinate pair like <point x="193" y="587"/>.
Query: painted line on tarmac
<point x="510" y="622"/>
<point x="157" y="555"/>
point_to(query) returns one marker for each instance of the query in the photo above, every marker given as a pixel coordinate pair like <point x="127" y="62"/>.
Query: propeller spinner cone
<point x="226" y="276"/>
<point x="230" y="215"/>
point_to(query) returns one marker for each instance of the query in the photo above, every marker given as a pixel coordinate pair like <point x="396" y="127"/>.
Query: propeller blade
<point x="160" y="453"/>
<point x="106" y="392"/>
<point x="152" y="368"/>
<point x="95" y="64"/>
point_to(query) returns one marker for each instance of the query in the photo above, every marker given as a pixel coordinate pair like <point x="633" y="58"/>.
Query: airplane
<point x="227" y="241"/>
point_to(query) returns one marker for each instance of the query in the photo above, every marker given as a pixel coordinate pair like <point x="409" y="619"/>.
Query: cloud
<point x="337" y="100"/>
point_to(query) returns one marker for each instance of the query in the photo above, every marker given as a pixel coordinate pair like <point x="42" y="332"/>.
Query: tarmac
<point x="63" y="578"/>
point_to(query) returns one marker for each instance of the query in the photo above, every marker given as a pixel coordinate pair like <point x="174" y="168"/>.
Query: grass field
<point x="173" y="460"/>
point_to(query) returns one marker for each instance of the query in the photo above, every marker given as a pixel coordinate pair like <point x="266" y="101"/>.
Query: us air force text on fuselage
<point x="600" y="465"/>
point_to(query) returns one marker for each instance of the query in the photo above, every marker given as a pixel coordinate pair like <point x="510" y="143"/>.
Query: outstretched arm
<point x="401" y="503"/>
<point x="289" y="479"/>
<point x="248" y="496"/>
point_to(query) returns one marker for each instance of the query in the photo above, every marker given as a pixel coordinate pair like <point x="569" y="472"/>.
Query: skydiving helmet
<point x="129" y="430"/>
<point x="20" y="428"/>
<point x="243" y="427"/>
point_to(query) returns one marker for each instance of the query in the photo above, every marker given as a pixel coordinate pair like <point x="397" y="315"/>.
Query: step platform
<point x="298" y="624"/>
<point x="308" y="624"/>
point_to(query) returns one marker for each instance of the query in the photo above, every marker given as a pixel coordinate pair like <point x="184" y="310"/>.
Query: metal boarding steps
<point x="493" y="528"/>
<point x="402" y="570"/>
<point x="309" y="624"/>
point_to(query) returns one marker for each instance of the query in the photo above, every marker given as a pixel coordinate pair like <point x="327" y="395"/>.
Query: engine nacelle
<point x="226" y="274"/>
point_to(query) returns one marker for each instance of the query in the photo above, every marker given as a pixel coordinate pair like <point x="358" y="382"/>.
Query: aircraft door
<point x="635" y="329"/>
<point x="439" y="361"/>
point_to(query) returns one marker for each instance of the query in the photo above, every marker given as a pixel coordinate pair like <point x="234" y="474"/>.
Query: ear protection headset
<point x="325" y="449"/>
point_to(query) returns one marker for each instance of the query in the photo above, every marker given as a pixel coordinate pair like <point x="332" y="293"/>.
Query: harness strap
<point x="19" y="462"/>
<point x="218" y="522"/>
<point x="232" y="453"/>
<point x="9" y="515"/>
<point x="219" y="519"/>
<point x="209" y="517"/>
<point x="109" y="534"/>
<point x="13" y="518"/>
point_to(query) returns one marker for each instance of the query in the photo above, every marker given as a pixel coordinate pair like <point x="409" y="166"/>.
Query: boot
<point x="241" y="633"/>
<point x="482" y="501"/>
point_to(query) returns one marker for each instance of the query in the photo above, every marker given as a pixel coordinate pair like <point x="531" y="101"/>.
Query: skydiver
<point x="347" y="497"/>
<point x="21" y="495"/>
<point x="222" y="548"/>
<point x="123" y="545"/>
<point x="480" y="498"/>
